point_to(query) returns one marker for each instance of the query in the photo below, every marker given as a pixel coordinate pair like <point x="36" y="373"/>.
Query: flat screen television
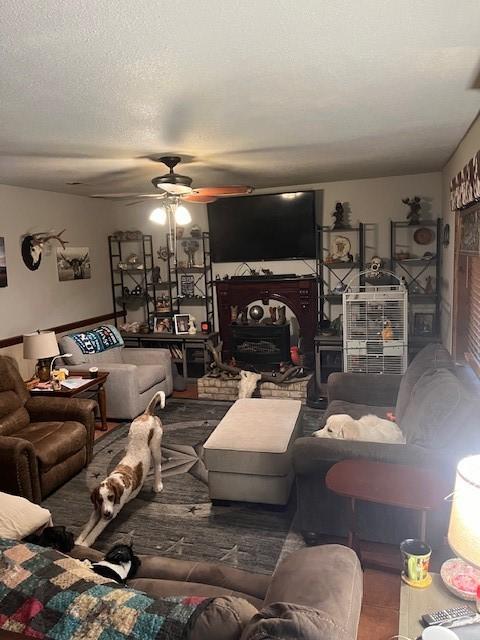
<point x="279" y="226"/>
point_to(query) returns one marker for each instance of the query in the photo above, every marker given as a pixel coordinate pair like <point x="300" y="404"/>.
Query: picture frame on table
<point x="181" y="321"/>
<point x="423" y="324"/>
<point x="162" y="325"/>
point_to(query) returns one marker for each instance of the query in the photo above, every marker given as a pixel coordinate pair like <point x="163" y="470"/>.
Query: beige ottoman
<point x="248" y="456"/>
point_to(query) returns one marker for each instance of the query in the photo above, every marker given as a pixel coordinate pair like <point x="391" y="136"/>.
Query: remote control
<point x="447" y="616"/>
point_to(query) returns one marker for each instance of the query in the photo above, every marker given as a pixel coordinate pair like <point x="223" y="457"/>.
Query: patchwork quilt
<point x="45" y="594"/>
<point x="97" y="340"/>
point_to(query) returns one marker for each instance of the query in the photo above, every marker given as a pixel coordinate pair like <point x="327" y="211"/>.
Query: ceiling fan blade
<point x="196" y="197"/>
<point x="229" y="190"/>
<point x="111" y="196"/>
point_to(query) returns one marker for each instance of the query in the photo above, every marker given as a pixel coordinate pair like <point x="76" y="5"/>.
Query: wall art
<point x="3" y="264"/>
<point x="73" y="264"/>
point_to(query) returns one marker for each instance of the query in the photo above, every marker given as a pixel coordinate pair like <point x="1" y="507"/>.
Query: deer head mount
<point x="32" y="247"/>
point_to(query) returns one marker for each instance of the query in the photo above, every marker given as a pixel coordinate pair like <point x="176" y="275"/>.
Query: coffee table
<point x="395" y="485"/>
<point x="95" y="385"/>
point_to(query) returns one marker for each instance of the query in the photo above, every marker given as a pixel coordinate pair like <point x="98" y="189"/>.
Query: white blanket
<point x="368" y="428"/>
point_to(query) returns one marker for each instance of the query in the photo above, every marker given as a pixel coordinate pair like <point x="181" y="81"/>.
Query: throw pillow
<point x="433" y="356"/>
<point x="19" y="517"/>
<point x="440" y="412"/>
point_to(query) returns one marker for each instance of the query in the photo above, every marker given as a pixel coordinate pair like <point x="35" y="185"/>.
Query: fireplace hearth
<point x="298" y="293"/>
<point x="261" y="344"/>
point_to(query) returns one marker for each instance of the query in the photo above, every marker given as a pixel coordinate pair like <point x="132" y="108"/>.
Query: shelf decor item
<point x="424" y="235"/>
<point x="340" y="249"/>
<point x="181" y="322"/>
<point x="423" y="324"/>
<point x="413" y="216"/>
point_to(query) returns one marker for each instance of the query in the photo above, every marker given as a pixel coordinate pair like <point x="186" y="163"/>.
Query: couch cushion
<point x="13" y="420"/>
<point x="54" y="441"/>
<point x="355" y="411"/>
<point x="255" y="436"/>
<point x="19" y="517"/>
<point x="148" y="375"/>
<point x="433" y="356"/>
<point x="440" y="413"/>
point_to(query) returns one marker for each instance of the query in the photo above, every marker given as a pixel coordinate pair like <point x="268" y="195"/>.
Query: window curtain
<point x="465" y="186"/>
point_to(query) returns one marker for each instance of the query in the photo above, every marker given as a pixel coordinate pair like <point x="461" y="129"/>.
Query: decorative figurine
<point x="338" y="214"/>
<point x="191" y="325"/>
<point x="273" y="314"/>
<point x="413" y="216"/>
<point x="233" y="313"/>
<point x="282" y="315"/>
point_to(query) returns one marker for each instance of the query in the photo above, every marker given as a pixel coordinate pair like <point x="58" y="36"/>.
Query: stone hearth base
<point x="218" y="389"/>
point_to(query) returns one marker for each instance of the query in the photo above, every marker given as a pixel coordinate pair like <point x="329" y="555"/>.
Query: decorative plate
<point x="460" y="578"/>
<point x="340" y="247"/>
<point x="424" y="235"/>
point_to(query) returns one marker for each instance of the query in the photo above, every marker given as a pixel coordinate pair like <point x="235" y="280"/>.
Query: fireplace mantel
<point x="297" y="293"/>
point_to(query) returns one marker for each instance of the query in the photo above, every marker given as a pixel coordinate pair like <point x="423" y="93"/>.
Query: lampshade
<point x="37" y="346"/>
<point x="464" y="529"/>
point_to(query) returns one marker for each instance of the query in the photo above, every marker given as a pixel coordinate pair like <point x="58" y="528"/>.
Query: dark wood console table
<point x="184" y="341"/>
<point x="297" y="293"/>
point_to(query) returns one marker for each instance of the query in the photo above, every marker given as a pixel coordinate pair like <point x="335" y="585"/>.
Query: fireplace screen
<point x="259" y="344"/>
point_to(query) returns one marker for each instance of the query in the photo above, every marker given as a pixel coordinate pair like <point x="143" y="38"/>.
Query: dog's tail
<point x="158" y="397"/>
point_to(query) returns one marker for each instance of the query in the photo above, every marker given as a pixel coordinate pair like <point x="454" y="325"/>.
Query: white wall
<point x="375" y="201"/>
<point x="467" y="148"/>
<point x="36" y="299"/>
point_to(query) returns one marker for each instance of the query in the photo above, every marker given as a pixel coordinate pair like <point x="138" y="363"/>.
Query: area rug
<point x="180" y="522"/>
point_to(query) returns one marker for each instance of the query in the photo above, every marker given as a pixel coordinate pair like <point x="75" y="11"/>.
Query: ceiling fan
<point x="175" y="185"/>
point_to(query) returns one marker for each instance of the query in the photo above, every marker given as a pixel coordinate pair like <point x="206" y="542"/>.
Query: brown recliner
<point x="43" y="441"/>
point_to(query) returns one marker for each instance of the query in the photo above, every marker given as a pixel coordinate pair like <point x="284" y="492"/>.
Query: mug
<point x="93" y="371"/>
<point x="416" y="559"/>
<point x="438" y="633"/>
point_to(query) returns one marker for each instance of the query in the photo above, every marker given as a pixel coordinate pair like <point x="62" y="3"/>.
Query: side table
<point x="96" y="385"/>
<point x="415" y="602"/>
<point x="396" y="485"/>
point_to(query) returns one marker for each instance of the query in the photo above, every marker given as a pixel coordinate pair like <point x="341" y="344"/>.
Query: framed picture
<point x="470" y="234"/>
<point x="162" y="325"/>
<point x="187" y="285"/>
<point x="3" y="264"/>
<point x="423" y="324"/>
<point x="181" y="321"/>
<point x="73" y="263"/>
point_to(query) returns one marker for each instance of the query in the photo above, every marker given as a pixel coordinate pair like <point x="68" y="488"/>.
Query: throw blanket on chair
<point x="50" y="596"/>
<point x="97" y="340"/>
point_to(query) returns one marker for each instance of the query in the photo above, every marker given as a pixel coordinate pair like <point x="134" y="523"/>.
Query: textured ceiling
<point x="265" y="92"/>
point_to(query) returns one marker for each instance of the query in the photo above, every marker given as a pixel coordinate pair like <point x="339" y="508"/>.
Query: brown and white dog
<point x="126" y="480"/>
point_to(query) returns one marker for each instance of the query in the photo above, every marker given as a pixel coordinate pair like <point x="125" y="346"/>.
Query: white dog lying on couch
<point x="368" y="428"/>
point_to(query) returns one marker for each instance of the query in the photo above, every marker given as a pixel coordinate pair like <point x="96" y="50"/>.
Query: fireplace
<point x="297" y="293"/>
<point x="261" y="344"/>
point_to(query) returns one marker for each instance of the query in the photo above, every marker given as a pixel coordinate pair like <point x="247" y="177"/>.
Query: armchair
<point x="135" y="375"/>
<point x="43" y="441"/>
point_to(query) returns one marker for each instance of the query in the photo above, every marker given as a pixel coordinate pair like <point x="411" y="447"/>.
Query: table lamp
<point x="41" y="346"/>
<point x="464" y="528"/>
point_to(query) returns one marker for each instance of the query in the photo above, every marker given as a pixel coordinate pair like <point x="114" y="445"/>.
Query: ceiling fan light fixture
<point x="158" y="215"/>
<point x="182" y="215"/>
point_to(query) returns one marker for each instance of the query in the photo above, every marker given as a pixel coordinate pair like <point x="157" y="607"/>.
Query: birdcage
<point x="375" y="324"/>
